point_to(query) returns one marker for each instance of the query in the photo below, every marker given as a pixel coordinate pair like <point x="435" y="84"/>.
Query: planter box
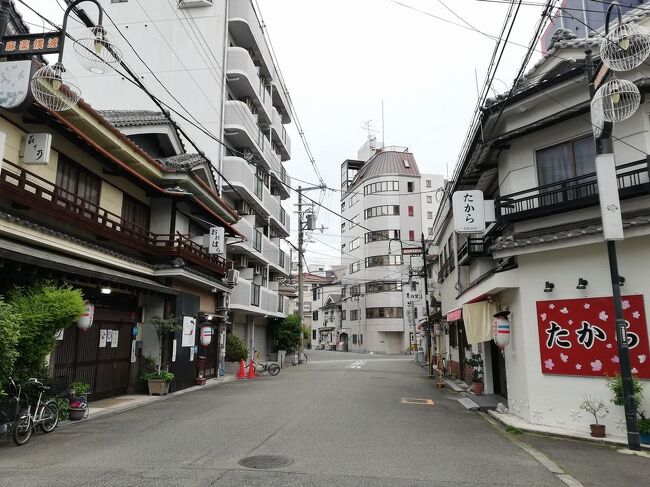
<point x="645" y="438"/>
<point x="77" y="413"/>
<point x="232" y="368"/>
<point x="158" y="387"/>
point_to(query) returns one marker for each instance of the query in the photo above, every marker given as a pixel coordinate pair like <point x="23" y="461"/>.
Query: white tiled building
<point x="212" y="63"/>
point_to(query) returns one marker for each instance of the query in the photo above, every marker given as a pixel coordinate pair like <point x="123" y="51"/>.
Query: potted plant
<point x="78" y="400"/>
<point x="158" y="382"/>
<point x="597" y="408"/>
<point x="236" y="351"/>
<point x="476" y="362"/>
<point x="644" y="428"/>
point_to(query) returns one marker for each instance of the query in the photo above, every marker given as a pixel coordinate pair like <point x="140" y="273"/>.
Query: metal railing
<point x="473" y="247"/>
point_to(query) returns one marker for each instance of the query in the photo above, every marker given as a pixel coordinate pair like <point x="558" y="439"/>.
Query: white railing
<point x="241" y="64"/>
<point x="240" y="297"/>
<point x="268" y="300"/>
<point x="242" y="175"/>
<point x="242" y="11"/>
<point x="281" y="132"/>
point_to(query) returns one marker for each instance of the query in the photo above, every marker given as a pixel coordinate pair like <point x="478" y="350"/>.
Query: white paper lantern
<point x="86" y="319"/>
<point x="55" y="88"/>
<point x="616" y="100"/>
<point x="206" y="336"/>
<point x="501" y="329"/>
<point x="625" y="47"/>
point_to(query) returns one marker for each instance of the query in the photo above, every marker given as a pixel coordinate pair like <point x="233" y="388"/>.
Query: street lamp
<point x="56" y="88"/>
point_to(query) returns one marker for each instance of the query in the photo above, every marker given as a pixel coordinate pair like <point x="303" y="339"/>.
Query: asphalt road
<point x="339" y="420"/>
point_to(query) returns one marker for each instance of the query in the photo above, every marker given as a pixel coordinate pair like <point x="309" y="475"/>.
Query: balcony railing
<point x="244" y="79"/>
<point x="570" y="194"/>
<point x="48" y="199"/>
<point x="473" y="247"/>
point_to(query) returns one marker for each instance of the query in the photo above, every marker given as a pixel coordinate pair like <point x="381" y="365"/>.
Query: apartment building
<point x="212" y="63"/>
<point x="381" y="201"/>
<point x="544" y="259"/>
<point x="326" y="323"/>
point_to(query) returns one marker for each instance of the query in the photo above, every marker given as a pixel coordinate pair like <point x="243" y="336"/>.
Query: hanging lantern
<point x="501" y="329"/>
<point x="616" y="100"/>
<point x="96" y="51"/>
<point x="86" y="319"/>
<point x="134" y="330"/>
<point x="206" y="336"/>
<point x="625" y="47"/>
<point x="55" y="88"/>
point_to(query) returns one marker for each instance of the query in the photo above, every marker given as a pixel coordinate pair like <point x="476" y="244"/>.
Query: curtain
<point x="478" y="321"/>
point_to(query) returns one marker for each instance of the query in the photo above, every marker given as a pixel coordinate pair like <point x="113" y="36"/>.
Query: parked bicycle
<point x="45" y="414"/>
<point x="271" y="367"/>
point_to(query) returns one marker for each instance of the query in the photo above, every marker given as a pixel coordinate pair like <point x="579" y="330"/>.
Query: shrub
<point x="164" y="328"/>
<point x="235" y="348"/>
<point x="162" y="375"/>
<point x="615" y="384"/>
<point x="64" y="408"/>
<point x="285" y="334"/>
<point x="9" y="336"/>
<point x="79" y="388"/>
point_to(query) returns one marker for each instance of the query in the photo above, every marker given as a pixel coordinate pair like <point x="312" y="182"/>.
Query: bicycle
<point x="272" y="368"/>
<point x="45" y="416"/>
<point x="8" y="409"/>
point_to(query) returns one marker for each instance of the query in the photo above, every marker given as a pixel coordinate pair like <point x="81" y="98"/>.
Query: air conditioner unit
<point x="258" y="269"/>
<point x="244" y="208"/>
<point x="242" y="261"/>
<point x="232" y="277"/>
<point x="224" y="301"/>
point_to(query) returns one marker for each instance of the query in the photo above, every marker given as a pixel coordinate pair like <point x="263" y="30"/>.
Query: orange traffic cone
<point x="251" y="370"/>
<point x="242" y="373"/>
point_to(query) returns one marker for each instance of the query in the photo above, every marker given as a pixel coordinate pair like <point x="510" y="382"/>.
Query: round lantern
<point x="501" y="329"/>
<point x="134" y="330"/>
<point x="206" y="336"/>
<point x="86" y="319"/>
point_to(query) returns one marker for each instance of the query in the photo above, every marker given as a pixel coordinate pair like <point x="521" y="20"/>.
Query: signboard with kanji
<point x="578" y="336"/>
<point x="469" y="211"/>
<point x="216" y="240"/>
<point x="37" y="148"/>
<point x="30" y="44"/>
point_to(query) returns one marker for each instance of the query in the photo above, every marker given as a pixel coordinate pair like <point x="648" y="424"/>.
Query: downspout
<point x="223" y="96"/>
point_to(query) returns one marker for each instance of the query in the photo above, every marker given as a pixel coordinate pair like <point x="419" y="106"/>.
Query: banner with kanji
<point x="578" y="336"/>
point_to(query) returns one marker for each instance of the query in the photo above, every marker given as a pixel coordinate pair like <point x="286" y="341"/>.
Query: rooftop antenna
<point x="383" y="135"/>
<point x="372" y="130"/>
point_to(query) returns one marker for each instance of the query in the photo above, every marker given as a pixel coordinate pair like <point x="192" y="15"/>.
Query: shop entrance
<point x="498" y="371"/>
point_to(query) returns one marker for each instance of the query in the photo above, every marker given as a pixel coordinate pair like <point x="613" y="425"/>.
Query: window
<point x="565" y="161"/>
<point x="355" y="267"/>
<point x="410" y="211"/>
<point x="257" y="240"/>
<point x="314" y="294"/>
<point x="360" y="339"/>
<point x="355" y="290"/>
<point x="343" y="314"/>
<point x="77" y="185"/>
<point x="429" y="199"/>
<point x="354" y="339"/>
<point x="381" y="187"/>
<point x="383" y="287"/>
<point x="344" y="290"/>
<point x="342" y="248"/>
<point x="428" y="183"/>
<point x="380" y="313"/>
<point x="430" y="230"/>
<point x="135" y="213"/>
<point x="313" y="334"/>
<point x="354" y="221"/>
<point x="354" y="315"/>
<point x="354" y="199"/>
<point x="407" y="163"/>
<point x="255" y="295"/>
<point x="314" y="315"/>
<point x="382" y="260"/>
<point x="411" y="235"/>
<point x="429" y="215"/>
<point x="380" y="235"/>
<point x="342" y="206"/>
<point x="381" y="211"/>
<point x="410" y="186"/>
<point x="414" y="286"/>
<point x="354" y="244"/>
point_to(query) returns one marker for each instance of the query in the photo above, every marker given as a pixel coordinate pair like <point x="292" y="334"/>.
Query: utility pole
<point x="426" y="302"/>
<point x="302" y="226"/>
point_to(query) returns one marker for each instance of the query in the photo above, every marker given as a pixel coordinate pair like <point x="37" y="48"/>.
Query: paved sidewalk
<point x="113" y="405"/>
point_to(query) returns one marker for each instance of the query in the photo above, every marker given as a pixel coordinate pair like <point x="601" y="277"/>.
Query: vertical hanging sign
<point x="469" y="211"/>
<point x="610" y="204"/>
<point x="216" y="240"/>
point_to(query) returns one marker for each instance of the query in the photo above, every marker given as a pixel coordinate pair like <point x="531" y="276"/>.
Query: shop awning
<point x="455" y="314"/>
<point x="326" y="329"/>
<point x="478" y="321"/>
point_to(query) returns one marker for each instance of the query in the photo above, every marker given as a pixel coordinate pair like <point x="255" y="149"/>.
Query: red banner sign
<point x="578" y="336"/>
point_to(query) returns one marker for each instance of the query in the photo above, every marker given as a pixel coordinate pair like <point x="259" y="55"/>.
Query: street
<point x="342" y="419"/>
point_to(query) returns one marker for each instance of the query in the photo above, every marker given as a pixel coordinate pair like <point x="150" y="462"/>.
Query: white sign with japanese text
<point x="37" y="148"/>
<point x="610" y="204"/>
<point x="189" y="332"/>
<point x="469" y="211"/>
<point x="216" y="240"/>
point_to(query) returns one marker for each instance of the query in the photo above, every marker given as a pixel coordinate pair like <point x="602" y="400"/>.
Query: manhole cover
<point x="265" y="461"/>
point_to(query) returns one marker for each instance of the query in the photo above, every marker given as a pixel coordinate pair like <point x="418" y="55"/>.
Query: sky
<point x="341" y="58"/>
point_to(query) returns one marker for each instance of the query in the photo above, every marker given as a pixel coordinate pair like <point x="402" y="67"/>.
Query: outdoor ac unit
<point x="242" y="261"/>
<point x="258" y="268"/>
<point x="232" y="277"/>
<point x="224" y="302"/>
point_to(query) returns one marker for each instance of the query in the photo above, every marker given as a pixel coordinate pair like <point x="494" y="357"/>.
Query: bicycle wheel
<point x="23" y="428"/>
<point x="304" y="358"/>
<point x="274" y="369"/>
<point x="49" y="417"/>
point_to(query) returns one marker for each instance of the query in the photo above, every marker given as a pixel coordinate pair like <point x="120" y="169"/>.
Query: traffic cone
<point x="251" y="370"/>
<point x="242" y="373"/>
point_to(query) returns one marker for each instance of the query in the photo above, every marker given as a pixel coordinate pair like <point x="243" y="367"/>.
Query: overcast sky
<point x="341" y="58"/>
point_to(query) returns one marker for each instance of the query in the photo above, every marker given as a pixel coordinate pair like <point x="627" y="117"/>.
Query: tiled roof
<point x="566" y="232"/>
<point x="184" y="162"/>
<point x="134" y="118"/>
<point x="387" y="162"/>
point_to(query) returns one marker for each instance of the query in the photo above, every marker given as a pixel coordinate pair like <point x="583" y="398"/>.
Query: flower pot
<point x="645" y="438"/>
<point x="477" y="388"/>
<point x="77" y="413"/>
<point x="597" y="430"/>
<point x="158" y="387"/>
<point x="200" y="381"/>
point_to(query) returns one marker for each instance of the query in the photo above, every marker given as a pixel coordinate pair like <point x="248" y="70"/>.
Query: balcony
<point x="241" y="127"/>
<point x="245" y="82"/>
<point x="242" y="176"/>
<point x="51" y="201"/>
<point x="253" y="298"/>
<point x="252" y="246"/>
<point x="244" y="26"/>
<point x="281" y="137"/>
<point x="275" y="256"/>
<point x="571" y="194"/>
<point x="473" y="247"/>
<point x="281" y="183"/>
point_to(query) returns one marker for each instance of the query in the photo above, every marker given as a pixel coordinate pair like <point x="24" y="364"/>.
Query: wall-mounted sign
<point x="37" y="148"/>
<point x="103" y="335"/>
<point x="610" y="204"/>
<point x="578" y="336"/>
<point x="469" y="211"/>
<point x="217" y="240"/>
<point x="189" y="332"/>
<point x="30" y="44"/>
<point x="14" y="88"/>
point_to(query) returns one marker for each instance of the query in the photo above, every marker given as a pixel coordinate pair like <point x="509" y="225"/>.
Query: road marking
<point x="357" y="364"/>
<point x="410" y="400"/>
<point x="316" y="362"/>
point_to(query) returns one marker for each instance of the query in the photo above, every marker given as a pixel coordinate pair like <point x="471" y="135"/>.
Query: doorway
<point x="498" y="371"/>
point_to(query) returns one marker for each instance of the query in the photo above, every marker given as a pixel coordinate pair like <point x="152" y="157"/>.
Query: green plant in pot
<point x="598" y="409"/>
<point x="615" y="384"/>
<point x="643" y="424"/>
<point x="78" y="400"/>
<point x="476" y="362"/>
<point x="158" y="380"/>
